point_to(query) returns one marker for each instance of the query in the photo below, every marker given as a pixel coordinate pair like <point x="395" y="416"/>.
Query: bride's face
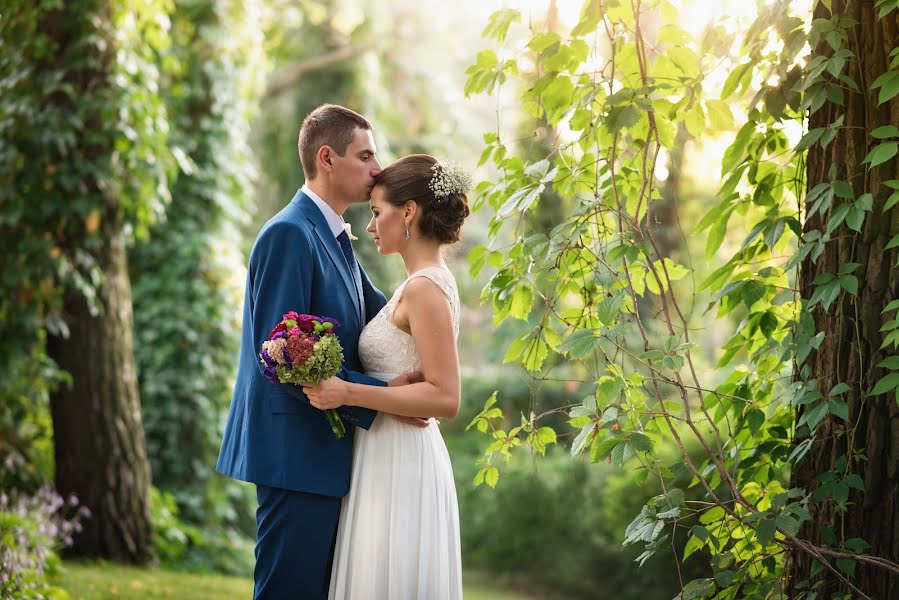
<point x="386" y="223"/>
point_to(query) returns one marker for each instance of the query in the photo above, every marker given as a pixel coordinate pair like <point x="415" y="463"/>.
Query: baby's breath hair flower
<point x="449" y="179"/>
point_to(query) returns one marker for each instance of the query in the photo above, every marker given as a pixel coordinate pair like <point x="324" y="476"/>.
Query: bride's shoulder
<point x="430" y="282"/>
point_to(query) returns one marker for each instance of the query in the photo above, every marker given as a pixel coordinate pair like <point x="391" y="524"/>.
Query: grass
<point x="105" y="581"/>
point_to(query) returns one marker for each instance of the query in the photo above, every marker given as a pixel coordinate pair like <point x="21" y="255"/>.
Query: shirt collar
<point x="335" y="221"/>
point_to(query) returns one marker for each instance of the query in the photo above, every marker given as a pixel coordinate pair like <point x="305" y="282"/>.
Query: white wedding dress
<point x="398" y="537"/>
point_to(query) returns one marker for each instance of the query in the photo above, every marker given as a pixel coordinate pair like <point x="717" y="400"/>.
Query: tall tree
<point x="82" y="164"/>
<point x="861" y="454"/>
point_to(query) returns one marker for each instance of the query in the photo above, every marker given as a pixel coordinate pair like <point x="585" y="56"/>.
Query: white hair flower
<point x="449" y="179"/>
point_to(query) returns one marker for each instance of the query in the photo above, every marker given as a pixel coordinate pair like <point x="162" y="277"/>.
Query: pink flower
<point x="300" y="349"/>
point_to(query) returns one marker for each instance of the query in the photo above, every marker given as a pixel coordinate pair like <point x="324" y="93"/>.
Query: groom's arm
<point x="357" y="415"/>
<point x="281" y="267"/>
<point x="281" y="281"/>
<point x="364" y="417"/>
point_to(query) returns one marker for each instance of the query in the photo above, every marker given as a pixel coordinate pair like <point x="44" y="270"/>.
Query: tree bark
<point x="851" y="349"/>
<point x="98" y="435"/>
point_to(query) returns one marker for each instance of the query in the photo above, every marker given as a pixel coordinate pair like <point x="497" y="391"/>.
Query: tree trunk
<point x="850" y="352"/>
<point x="99" y="438"/>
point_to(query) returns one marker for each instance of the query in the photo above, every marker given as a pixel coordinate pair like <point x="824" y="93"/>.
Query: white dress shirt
<point x="335" y="221"/>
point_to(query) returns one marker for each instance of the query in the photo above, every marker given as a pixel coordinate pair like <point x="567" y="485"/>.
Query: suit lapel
<point x="331" y="245"/>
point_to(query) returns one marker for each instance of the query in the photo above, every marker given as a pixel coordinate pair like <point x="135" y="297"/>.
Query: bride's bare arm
<point x="430" y="322"/>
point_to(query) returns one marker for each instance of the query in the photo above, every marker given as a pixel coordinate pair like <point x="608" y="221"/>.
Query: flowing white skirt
<point x="398" y="537"/>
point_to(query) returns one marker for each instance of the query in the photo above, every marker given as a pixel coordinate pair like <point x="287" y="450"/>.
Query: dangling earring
<point x="407" y="232"/>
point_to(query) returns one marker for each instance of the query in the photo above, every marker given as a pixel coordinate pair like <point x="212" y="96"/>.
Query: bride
<point x="399" y="526"/>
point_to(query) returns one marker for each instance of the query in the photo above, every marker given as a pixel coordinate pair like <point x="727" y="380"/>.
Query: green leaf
<point x="894" y="241"/>
<point x="491" y="477"/>
<point x="522" y="302"/>
<point x="755" y="418"/>
<point x="720" y="116"/>
<point x="888" y="84"/>
<point x="773" y="234"/>
<point x="499" y="22"/>
<point x="591" y="13"/>
<point x="850" y="284"/>
<point x="891" y="363"/>
<point x="764" y="531"/>
<point x="840" y="388"/>
<point x="887" y="131"/>
<point x="886" y="384"/>
<point x="882" y="153"/>
<point x="580" y="343"/>
<point x="542" y="41"/>
<point x="810" y="138"/>
<point x="855" y="218"/>
<point x="534" y="354"/>
<point x="814" y="415"/>
<point x="839" y="408"/>
<point x="891" y="201"/>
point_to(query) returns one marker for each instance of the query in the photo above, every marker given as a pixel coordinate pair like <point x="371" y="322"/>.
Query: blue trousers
<point x="295" y="536"/>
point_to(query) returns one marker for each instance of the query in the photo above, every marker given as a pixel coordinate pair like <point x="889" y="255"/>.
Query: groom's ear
<point x="323" y="156"/>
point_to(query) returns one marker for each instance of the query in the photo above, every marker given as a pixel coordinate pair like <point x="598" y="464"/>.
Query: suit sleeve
<point x="281" y="281"/>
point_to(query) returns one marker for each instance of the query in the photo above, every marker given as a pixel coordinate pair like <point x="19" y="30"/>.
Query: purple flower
<point x="271" y="373"/>
<point x="268" y="360"/>
<point x="280" y="334"/>
<point x="287" y="357"/>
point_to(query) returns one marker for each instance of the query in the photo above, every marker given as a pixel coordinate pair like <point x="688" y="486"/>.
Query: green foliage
<point x="84" y="152"/>
<point x="598" y="272"/>
<point x="536" y="527"/>
<point x="188" y="273"/>
<point x="185" y="546"/>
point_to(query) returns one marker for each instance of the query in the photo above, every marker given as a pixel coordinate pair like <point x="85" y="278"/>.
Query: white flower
<point x="449" y="179"/>
<point x="348" y="227"/>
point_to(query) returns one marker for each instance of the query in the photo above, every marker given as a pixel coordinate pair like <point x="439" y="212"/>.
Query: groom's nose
<point x="376" y="168"/>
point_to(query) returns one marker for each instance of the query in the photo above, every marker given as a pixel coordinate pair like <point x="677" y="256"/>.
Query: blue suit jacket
<point x="273" y="436"/>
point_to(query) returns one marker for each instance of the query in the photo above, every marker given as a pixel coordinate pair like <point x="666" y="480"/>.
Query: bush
<point x="560" y="526"/>
<point x="32" y="528"/>
<point x="182" y="545"/>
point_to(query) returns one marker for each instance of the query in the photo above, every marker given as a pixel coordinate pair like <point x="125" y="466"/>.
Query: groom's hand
<point x="407" y="378"/>
<point x="415" y="421"/>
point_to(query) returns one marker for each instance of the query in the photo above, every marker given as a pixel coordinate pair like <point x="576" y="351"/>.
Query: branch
<point x="295" y="71"/>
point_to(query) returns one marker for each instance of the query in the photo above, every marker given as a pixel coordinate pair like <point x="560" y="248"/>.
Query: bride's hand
<point x="326" y="395"/>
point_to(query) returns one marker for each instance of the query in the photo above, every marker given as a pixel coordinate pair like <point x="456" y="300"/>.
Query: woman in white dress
<point x="398" y="537"/>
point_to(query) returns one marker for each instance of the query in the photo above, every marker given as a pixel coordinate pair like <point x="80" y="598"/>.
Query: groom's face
<point x="354" y="172"/>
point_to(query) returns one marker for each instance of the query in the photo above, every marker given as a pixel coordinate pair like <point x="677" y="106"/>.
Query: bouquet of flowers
<point x="302" y="349"/>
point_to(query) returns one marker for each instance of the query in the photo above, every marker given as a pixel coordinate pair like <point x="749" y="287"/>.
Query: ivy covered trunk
<point x="99" y="439"/>
<point x="89" y="143"/>
<point x="853" y="464"/>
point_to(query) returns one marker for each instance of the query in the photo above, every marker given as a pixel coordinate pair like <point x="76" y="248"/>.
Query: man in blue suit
<point x="302" y="260"/>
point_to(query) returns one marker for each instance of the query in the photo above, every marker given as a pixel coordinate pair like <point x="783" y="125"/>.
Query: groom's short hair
<point x="328" y="125"/>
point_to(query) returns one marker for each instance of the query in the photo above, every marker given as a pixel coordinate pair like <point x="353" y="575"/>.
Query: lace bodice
<point x="386" y="350"/>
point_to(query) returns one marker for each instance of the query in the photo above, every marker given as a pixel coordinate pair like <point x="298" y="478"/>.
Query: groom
<point x="302" y="260"/>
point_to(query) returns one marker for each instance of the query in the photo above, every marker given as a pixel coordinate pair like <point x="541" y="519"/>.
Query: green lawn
<point x="104" y="581"/>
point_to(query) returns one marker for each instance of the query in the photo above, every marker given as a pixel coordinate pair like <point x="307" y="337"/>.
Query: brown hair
<point x="328" y="125"/>
<point x="408" y="179"/>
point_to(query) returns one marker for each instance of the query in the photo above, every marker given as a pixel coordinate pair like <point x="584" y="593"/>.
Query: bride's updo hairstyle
<point x="439" y="189"/>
